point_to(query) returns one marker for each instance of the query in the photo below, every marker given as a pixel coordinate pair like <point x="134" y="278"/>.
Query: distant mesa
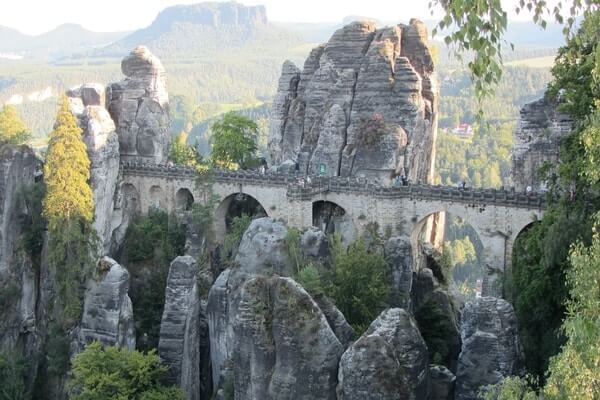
<point x="200" y="30"/>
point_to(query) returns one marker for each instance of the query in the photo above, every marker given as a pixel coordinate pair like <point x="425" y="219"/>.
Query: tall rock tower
<point x="365" y="104"/>
<point x="139" y="105"/>
<point x="538" y="136"/>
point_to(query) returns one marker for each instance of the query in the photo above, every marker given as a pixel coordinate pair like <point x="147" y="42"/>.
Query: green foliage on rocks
<point x="12" y="376"/>
<point x="112" y="373"/>
<point x="31" y="221"/>
<point x="151" y="243"/>
<point x="434" y="326"/>
<point x="573" y="372"/>
<point x="233" y="238"/>
<point x="541" y="254"/>
<point x="310" y="279"/>
<point x="360" y="283"/>
<point x="156" y="236"/>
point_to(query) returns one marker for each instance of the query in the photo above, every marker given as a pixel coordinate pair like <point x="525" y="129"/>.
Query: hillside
<point x="50" y="46"/>
<point x="202" y="30"/>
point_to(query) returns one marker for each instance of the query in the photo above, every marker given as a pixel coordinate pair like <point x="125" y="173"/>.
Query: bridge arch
<point x="235" y="205"/>
<point x="457" y="235"/>
<point x="331" y="217"/>
<point x="184" y="199"/>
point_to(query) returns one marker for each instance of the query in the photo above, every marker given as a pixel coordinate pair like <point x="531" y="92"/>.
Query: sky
<point x="38" y="16"/>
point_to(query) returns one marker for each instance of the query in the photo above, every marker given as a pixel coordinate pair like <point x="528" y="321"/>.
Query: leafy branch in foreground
<point x="479" y="26"/>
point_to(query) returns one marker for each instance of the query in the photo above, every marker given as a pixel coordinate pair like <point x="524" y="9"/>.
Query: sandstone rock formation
<point x="18" y="164"/>
<point x="538" y="136"/>
<point x="398" y="252"/>
<point x="107" y="309"/>
<point x="269" y="338"/>
<point x="490" y="346"/>
<point x="441" y="383"/>
<point x="364" y="104"/>
<point x="21" y="300"/>
<point x="284" y="346"/>
<point x="183" y="344"/>
<point x="99" y="134"/>
<point x="437" y="312"/>
<point x="263" y="249"/>
<point x="389" y="361"/>
<point x="139" y="105"/>
<point x="342" y="329"/>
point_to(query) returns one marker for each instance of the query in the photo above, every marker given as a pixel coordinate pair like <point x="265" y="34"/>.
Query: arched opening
<point x="130" y="199"/>
<point x="156" y="198"/>
<point x="184" y="200"/>
<point x="457" y="247"/>
<point x="328" y="216"/>
<point x="236" y="205"/>
<point x="332" y="218"/>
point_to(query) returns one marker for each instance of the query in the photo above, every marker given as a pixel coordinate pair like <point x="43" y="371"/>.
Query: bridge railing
<point x="305" y="188"/>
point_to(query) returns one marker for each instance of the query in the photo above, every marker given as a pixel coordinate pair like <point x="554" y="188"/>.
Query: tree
<point x="69" y="209"/>
<point x="478" y="26"/>
<point x="574" y="371"/>
<point x="12" y="128"/>
<point x="233" y="141"/>
<point x="541" y="254"/>
<point x="360" y="284"/>
<point x="113" y="373"/>
<point x="67" y="172"/>
<point x="12" y="376"/>
<point x="182" y="153"/>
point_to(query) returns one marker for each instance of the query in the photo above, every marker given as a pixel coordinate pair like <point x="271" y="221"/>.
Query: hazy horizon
<point x="119" y="15"/>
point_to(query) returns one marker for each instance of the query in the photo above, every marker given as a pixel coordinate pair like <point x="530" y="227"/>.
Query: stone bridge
<point x="498" y="216"/>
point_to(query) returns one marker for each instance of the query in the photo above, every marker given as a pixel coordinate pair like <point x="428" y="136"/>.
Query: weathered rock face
<point x="398" y="252"/>
<point x="107" y="309"/>
<point x="99" y="134"/>
<point x="441" y="383"/>
<point x="490" y="346"/>
<point x="263" y="249"/>
<point x="365" y="103"/>
<point x="269" y="338"/>
<point x="285" y="347"/>
<point x="389" y="361"/>
<point x="21" y="321"/>
<point x="315" y="244"/>
<point x="183" y="344"/>
<point x="539" y="133"/>
<point x="139" y="105"/>
<point x="18" y="169"/>
<point x="342" y="329"/>
<point x="435" y="308"/>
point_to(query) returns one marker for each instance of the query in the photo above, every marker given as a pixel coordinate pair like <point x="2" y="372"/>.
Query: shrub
<point x="310" y="279"/>
<point x="114" y="373"/>
<point x="151" y="243"/>
<point x="12" y="376"/>
<point x="239" y="225"/>
<point x="360" y="283"/>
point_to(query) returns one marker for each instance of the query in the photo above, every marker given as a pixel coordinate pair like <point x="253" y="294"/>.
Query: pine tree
<point x="12" y="128"/>
<point x="67" y="172"/>
<point x="69" y="209"/>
